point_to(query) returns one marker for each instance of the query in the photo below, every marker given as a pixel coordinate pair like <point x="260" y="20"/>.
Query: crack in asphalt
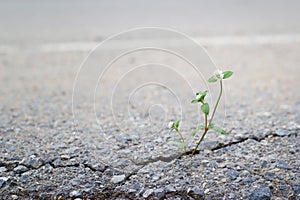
<point x="11" y="165"/>
<point x="218" y="147"/>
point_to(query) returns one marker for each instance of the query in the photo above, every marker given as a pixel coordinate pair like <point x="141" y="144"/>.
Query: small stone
<point x="297" y="190"/>
<point x="75" y="194"/>
<point x="57" y="162"/>
<point x="118" y="178"/>
<point x="249" y="180"/>
<point x="212" y="164"/>
<point x="147" y="193"/>
<point x="263" y="192"/>
<point x="239" y="136"/>
<point x="232" y="174"/>
<point x="170" y="188"/>
<point x="3" y="180"/>
<point x="25" y="176"/>
<point x="2" y="169"/>
<point x="88" y="187"/>
<point x="282" y="165"/>
<point x="263" y="163"/>
<point x="35" y="162"/>
<point x="14" y="197"/>
<point x="159" y="193"/>
<point x="206" y="191"/>
<point x="71" y="150"/>
<point x="223" y="180"/>
<point x="282" y="132"/>
<point x="65" y="157"/>
<point x="74" y="181"/>
<point x="20" y="169"/>
<point x="136" y="186"/>
<point x="269" y="176"/>
<point x="155" y="177"/>
<point x="195" y="190"/>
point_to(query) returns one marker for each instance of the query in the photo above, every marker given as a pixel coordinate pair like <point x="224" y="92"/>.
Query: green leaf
<point x="217" y="129"/>
<point x="174" y="140"/>
<point x="212" y="79"/>
<point x="200" y="97"/>
<point x="203" y="95"/>
<point x="195" y="101"/>
<point x="205" y="108"/>
<point x="197" y="129"/>
<point x="177" y="124"/>
<point x="227" y="74"/>
<point x="182" y="145"/>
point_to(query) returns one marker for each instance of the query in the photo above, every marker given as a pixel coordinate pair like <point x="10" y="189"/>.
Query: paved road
<point x="125" y="153"/>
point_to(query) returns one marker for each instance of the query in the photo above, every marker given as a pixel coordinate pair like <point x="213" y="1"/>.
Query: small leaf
<point x="205" y="108"/>
<point x="174" y="140"/>
<point x="195" y="101"/>
<point x="212" y="79"/>
<point x="182" y="145"/>
<point x="217" y="129"/>
<point x="227" y="74"/>
<point x="203" y="95"/>
<point x="197" y="129"/>
<point x="177" y="124"/>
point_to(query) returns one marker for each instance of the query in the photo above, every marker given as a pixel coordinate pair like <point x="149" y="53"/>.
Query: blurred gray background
<point x="73" y="20"/>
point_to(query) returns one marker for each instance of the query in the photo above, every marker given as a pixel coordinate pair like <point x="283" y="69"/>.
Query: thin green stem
<point x="182" y="140"/>
<point x="217" y="103"/>
<point x="206" y="127"/>
<point x="203" y="135"/>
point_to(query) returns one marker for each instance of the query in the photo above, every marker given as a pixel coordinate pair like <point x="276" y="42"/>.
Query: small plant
<point x="218" y="76"/>
<point x="174" y="126"/>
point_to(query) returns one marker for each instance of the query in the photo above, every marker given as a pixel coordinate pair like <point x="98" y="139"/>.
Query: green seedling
<point x="174" y="126"/>
<point x="218" y="76"/>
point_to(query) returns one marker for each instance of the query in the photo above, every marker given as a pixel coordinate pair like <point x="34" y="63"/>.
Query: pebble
<point x="297" y="190"/>
<point x="118" y="178"/>
<point x="20" y="169"/>
<point x="35" y="162"/>
<point x="232" y="174"/>
<point x="213" y="164"/>
<point x="75" y="194"/>
<point x="195" y="190"/>
<point x="136" y="186"/>
<point x="269" y="176"/>
<point x="159" y="193"/>
<point x="263" y="163"/>
<point x="282" y="132"/>
<point x="3" y="180"/>
<point x="206" y="191"/>
<point x="14" y="197"/>
<point x="262" y="192"/>
<point x="147" y="193"/>
<point x="71" y="150"/>
<point x="155" y="177"/>
<point x="74" y="181"/>
<point x="65" y="157"/>
<point x="26" y="175"/>
<point x="170" y="188"/>
<point x="282" y="165"/>
<point x="2" y="169"/>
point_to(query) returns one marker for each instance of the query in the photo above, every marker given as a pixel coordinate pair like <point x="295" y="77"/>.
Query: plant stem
<point x="206" y="127"/>
<point x="202" y="137"/>
<point x="182" y="140"/>
<point x="217" y="103"/>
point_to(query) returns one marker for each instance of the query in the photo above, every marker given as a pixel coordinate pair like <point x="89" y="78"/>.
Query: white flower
<point x="198" y="96"/>
<point x="171" y="124"/>
<point x="219" y="74"/>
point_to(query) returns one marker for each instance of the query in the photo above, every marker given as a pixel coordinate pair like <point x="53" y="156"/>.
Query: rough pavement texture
<point x="43" y="155"/>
